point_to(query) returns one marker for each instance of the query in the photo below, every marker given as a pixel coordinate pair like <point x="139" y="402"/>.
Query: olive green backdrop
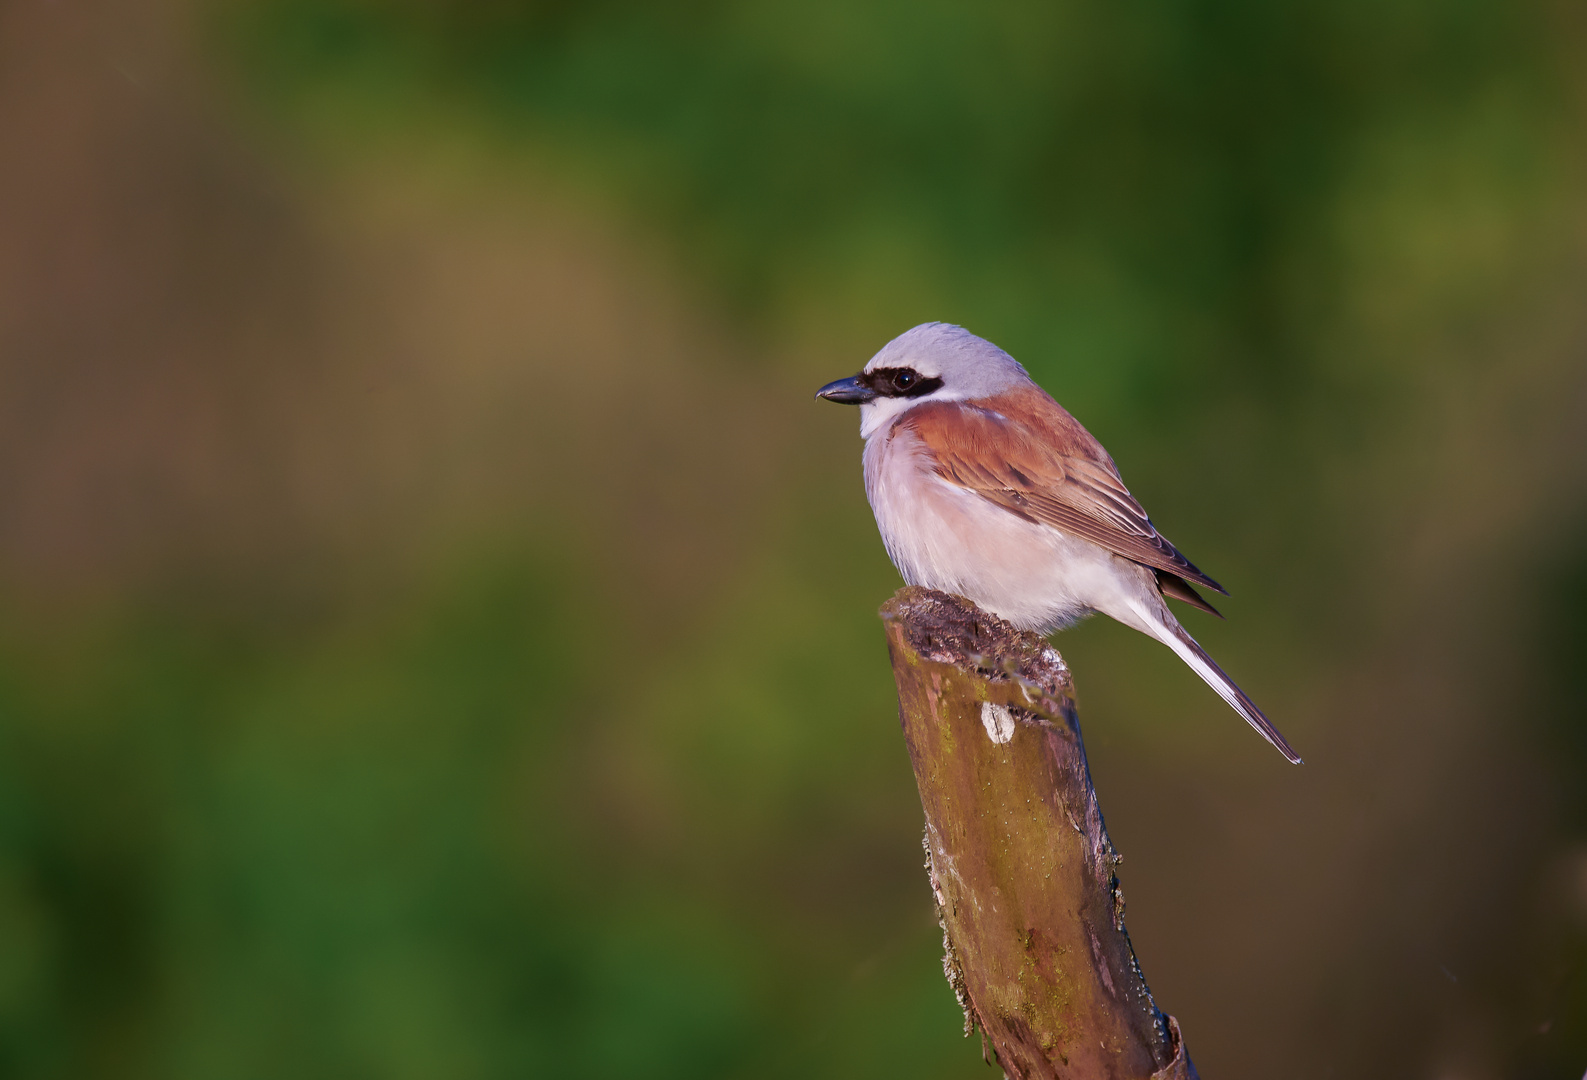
<point x="437" y="627"/>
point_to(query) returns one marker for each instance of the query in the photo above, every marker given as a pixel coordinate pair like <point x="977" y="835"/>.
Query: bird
<point x="985" y="487"/>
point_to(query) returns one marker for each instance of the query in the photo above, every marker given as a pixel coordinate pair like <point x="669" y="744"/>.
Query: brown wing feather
<point x="1025" y="453"/>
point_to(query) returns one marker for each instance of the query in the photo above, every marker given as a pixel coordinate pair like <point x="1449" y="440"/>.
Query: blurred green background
<point x="437" y="627"/>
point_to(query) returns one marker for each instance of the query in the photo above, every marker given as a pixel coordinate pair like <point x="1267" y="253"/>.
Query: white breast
<point x="946" y="537"/>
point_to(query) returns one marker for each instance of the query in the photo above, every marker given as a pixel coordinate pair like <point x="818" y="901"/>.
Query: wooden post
<point x="1021" y="866"/>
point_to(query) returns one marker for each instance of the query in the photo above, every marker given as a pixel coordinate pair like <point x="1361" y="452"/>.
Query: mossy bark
<point x="1020" y="863"/>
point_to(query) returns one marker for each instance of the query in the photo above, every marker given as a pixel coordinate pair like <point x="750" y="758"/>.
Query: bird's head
<point x="932" y="362"/>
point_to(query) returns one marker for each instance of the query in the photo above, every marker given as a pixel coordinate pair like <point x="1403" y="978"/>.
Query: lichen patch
<point x="998" y="721"/>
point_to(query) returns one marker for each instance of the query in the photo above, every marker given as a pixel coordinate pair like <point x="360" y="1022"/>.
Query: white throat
<point x="877" y="415"/>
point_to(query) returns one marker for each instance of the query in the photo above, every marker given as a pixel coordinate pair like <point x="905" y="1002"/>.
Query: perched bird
<point x="984" y="486"/>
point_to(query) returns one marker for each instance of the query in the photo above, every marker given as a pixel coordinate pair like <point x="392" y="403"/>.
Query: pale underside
<point x="945" y="536"/>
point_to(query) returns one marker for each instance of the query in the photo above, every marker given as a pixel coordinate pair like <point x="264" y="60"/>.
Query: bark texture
<point x="1020" y="863"/>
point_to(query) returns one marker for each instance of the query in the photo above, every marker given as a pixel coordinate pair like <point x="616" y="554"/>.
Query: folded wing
<point x="1035" y="460"/>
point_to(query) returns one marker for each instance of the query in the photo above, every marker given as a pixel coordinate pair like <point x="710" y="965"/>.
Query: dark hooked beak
<point x="848" y="391"/>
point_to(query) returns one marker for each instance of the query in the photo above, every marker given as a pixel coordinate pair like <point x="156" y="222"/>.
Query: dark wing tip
<point x="1190" y="573"/>
<point x="1176" y="587"/>
<point x="1181" y="566"/>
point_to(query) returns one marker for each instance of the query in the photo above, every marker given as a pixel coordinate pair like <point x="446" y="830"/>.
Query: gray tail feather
<point x="1207" y="668"/>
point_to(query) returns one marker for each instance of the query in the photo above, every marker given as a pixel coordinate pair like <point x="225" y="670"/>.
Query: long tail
<point x="1170" y="633"/>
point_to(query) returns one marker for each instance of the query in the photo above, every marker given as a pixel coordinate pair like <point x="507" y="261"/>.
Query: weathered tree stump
<point x="1020" y="863"/>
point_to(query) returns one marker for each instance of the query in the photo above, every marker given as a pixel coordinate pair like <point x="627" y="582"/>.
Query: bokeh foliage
<point x="532" y="809"/>
<point x="1121" y="175"/>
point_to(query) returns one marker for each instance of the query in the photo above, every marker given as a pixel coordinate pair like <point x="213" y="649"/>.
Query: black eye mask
<point x="899" y="382"/>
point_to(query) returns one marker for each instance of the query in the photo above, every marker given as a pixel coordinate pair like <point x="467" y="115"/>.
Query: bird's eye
<point x="904" y="380"/>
